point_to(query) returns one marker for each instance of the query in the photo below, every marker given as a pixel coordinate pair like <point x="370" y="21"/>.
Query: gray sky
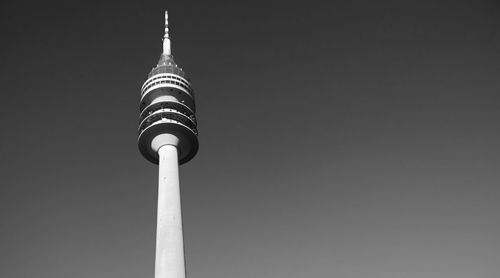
<point x="345" y="139"/>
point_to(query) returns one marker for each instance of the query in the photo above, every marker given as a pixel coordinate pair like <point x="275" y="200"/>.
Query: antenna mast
<point x="166" y="38"/>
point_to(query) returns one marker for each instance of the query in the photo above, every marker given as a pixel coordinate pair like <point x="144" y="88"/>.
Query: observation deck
<point x="167" y="106"/>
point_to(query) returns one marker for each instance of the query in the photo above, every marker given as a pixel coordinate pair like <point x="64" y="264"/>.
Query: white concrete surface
<point x="169" y="238"/>
<point x="164" y="98"/>
<point x="163" y="139"/>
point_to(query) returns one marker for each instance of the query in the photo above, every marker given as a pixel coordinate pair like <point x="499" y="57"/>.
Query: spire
<point x="166" y="38"/>
<point x="166" y="58"/>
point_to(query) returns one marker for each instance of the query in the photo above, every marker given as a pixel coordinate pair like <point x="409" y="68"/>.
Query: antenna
<point x="166" y="38"/>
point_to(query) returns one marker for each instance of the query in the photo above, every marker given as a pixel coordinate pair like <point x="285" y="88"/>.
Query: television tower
<point x="168" y="137"/>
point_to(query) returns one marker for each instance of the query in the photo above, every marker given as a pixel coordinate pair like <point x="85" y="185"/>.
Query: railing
<point x="166" y="76"/>
<point x="182" y="108"/>
<point x="167" y="69"/>
<point x="176" y="117"/>
<point x="166" y="81"/>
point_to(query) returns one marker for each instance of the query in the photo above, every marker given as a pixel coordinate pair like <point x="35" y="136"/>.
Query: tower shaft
<point x="169" y="238"/>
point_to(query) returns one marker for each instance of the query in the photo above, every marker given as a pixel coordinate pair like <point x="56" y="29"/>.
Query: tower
<point x="168" y="137"/>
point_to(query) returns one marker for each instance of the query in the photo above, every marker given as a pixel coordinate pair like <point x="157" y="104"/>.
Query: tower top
<point x="167" y="108"/>
<point x="166" y="63"/>
<point x="166" y="38"/>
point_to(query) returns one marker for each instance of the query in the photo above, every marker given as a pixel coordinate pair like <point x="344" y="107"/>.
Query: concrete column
<point x="169" y="239"/>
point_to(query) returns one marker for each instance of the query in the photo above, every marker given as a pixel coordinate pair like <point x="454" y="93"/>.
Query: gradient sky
<point x="344" y="139"/>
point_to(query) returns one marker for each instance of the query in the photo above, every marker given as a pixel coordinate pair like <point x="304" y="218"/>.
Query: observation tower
<point x="168" y="137"/>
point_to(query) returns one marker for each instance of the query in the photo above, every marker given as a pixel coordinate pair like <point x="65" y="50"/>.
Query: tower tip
<point x="166" y="38"/>
<point x="166" y="22"/>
